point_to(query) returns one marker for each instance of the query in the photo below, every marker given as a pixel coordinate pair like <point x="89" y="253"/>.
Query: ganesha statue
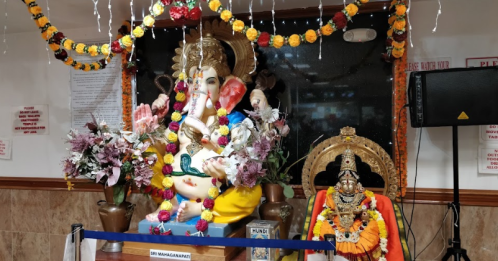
<point x="190" y="183"/>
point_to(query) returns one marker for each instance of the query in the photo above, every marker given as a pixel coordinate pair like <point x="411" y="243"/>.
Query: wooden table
<point x="103" y="256"/>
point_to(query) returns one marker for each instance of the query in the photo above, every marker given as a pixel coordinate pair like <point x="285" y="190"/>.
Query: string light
<point x="183" y="52"/>
<point x="110" y="32"/>
<point x="321" y="24"/>
<point x="152" y="28"/>
<point x="409" y="23"/>
<point x="252" y="42"/>
<point x="273" y="18"/>
<point x="131" y="29"/>
<point x="437" y="17"/>
<point x="46" y="47"/>
<point x="5" y="29"/>
<point x="200" y="27"/>
<point x="96" y="12"/>
<point x="230" y="8"/>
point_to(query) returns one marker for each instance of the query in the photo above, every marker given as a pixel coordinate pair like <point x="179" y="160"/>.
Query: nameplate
<point x="170" y="254"/>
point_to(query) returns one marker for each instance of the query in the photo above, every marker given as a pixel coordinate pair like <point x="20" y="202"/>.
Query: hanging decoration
<point x="396" y="35"/>
<point x="5" y="29"/>
<point x="400" y="121"/>
<point x="96" y="12"/>
<point x="264" y="39"/>
<point x="437" y="17"/>
<point x="46" y="46"/>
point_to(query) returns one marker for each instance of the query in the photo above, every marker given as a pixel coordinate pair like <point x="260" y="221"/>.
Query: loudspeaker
<point x="454" y="97"/>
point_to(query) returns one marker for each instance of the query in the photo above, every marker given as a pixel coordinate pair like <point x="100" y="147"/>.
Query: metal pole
<point x="331" y="253"/>
<point x="76" y="230"/>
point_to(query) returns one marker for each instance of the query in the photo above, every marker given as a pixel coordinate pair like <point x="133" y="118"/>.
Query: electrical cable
<point x="415" y="193"/>
<point x="437" y="232"/>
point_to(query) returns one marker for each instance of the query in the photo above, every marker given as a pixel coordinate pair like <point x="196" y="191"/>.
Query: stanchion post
<point x="331" y="239"/>
<point x="77" y="236"/>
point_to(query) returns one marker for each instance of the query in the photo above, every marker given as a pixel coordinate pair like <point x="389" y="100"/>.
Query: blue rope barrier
<point x="211" y="241"/>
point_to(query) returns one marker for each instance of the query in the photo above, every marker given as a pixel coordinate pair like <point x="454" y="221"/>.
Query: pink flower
<point x="201" y="225"/>
<point x="163" y="216"/>
<point x="223" y="120"/>
<point x="262" y="147"/>
<point x="178" y="106"/>
<point x="217" y="106"/>
<point x="171" y="147"/>
<point x="174" y="126"/>
<point x="223" y="141"/>
<point x="181" y="86"/>
<point x="167" y="233"/>
<point x="208" y="203"/>
<point x="168" y="194"/>
<point x="187" y="233"/>
<point x="167" y="169"/>
<point x="157" y="231"/>
<point x="213" y="181"/>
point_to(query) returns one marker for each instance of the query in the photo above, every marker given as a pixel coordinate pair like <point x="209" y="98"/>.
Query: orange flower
<point x="351" y="9"/>
<point x="238" y="26"/>
<point x="92" y="50"/>
<point x="69" y="60"/>
<point x="294" y="40"/>
<point x="41" y="22"/>
<point x="68" y="44"/>
<point x="310" y="36"/>
<point x="49" y="32"/>
<point x="87" y="67"/>
<point x="391" y="19"/>
<point x="327" y="30"/>
<point x="400" y="25"/>
<point x="398" y="44"/>
<point x="54" y="47"/>
<point x="390" y="32"/>
<point x="80" y="48"/>
<point x="96" y="66"/>
<point x="278" y="41"/>
<point x="77" y="66"/>
<point x="34" y="10"/>
<point x="400" y="10"/>
<point x="251" y="34"/>
<point x="226" y="15"/>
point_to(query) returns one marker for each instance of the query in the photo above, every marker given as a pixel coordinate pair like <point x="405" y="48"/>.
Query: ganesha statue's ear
<point x="231" y="93"/>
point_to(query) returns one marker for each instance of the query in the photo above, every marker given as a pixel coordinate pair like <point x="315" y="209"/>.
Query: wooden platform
<point x="207" y="253"/>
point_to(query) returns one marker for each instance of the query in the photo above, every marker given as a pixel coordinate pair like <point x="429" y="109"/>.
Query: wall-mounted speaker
<point x="454" y="97"/>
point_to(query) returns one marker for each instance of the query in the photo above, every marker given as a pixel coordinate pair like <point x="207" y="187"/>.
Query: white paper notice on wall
<point x="428" y="64"/>
<point x="30" y="120"/>
<point x="489" y="133"/>
<point x="488" y="159"/>
<point x="5" y="148"/>
<point x="482" y="62"/>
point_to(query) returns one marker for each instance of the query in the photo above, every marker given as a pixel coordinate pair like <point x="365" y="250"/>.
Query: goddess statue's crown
<point x="348" y="165"/>
<point x="213" y="55"/>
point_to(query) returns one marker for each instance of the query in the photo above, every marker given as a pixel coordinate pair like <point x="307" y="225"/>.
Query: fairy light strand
<point x="6" y="46"/>
<point x="230" y="8"/>
<point x="110" y="32"/>
<point x="96" y="12"/>
<point x="437" y="17"/>
<point x="183" y="52"/>
<point x="409" y="23"/>
<point x="252" y="42"/>
<point x="273" y="18"/>
<point x="46" y="47"/>
<point x="131" y="30"/>
<point x="152" y="28"/>
<point x="200" y="30"/>
<point x="321" y="24"/>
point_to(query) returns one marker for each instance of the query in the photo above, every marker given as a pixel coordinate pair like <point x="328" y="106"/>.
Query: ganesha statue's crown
<point x="213" y="55"/>
<point x="348" y="165"/>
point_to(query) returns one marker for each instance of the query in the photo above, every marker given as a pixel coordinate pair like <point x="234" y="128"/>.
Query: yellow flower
<point x="68" y="44"/>
<point x="398" y="52"/>
<point x="382" y="229"/>
<point x="400" y="10"/>
<point x="70" y="185"/>
<point x="68" y="61"/>
<point x="390" y="32"/>
<point x="226" y="15"/>
<point x="180" y="96"/>
<point x="219" y="150"/>
<point x="176" y="116"/>
<point x="207" y="215"/>
<point x="157" y="9"/>
<point x="213" y="192"/>
<point x="391" y="19"/>
<point x="330" y="191"/>
<point x="149" y="21"/>
<point x="126" y="41"/>
<point x="169" y="159"/>
<point x="352" y="9"/>
<point x="35" y="10"/>
<point x="138" y="32"/>
<point x="27" y="2"/>
<point x="42" y="21"/>
<point x="369" y="193"/>
<point x="398" y="44"/>
<point x="222" y="112"/>
<point x="54" y="47"/>
<point x="168" y="182"/>
<point x="96" y="66"/>
<point x="224" y="130"/>
<point x="87" y="68"/>
<point x="172" y="137"/>
<point x="166" y="205"/>
<point x="294" y="40"/>
<point x="310" y="36"/>
<point x="181" y="77"/>
<point x="77" y="66"/>
<point x="129" y="49"/>
<point x="80" y="48"/>
<point x="327" y="30"/>
<point x="49" y="32"/>
<point x="105" y="49"/>
<point x="238" y="26"/>
<point x="364" y="1"/>
<point x="400" y="24"/>
<point x="214" y="5"/>
<point x="251" y="34"/>
<point x="317" y="228"/>
<point x="278" y="41"/>
<point x="92" y="50"/>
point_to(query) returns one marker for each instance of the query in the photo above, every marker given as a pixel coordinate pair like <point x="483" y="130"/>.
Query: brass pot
<point x="115" y="218"/>
<point x="276" y="208"/>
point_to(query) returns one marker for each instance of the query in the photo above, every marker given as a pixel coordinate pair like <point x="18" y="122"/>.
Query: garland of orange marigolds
<point x="396" y="35"/>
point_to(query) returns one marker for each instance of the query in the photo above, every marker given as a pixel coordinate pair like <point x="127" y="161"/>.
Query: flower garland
<point x="400" y="122"/>
<point x="396" y="35"/>
<point x="126" y="95"/>
<point x="56" y="40"/>
<point x="264" y="39"/>
<point x="374" y="215"/>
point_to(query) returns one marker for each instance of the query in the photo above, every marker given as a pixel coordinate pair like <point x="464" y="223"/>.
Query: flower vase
<point x="276" y="208"/>
<point x="115" y="218"/>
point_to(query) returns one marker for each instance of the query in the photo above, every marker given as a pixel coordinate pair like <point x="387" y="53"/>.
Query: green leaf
<point x="288" y="191"/>
<point x="118" y="194"/>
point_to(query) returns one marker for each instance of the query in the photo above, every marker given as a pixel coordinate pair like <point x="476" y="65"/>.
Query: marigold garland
<point x="400" y="122"/>
<point x="126" y="95"/>
<point x="396" y="35"/>
<point x="338" y="22"/>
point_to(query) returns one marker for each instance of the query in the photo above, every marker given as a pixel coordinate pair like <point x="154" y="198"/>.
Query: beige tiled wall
<point x="34" y="224"/>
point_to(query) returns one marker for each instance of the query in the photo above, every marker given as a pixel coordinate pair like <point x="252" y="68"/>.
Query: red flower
<point x="222" y="141"/>
<point x="264" y="39"/>
<point x="168" y="194"/>
<point x="201" y="225"/>
<point x="167" y="233"/>
<point x="160" y="192"/>
<point x="157" y="231"/>
<point x="174" y="126"/>
<point x="57" y="37"/>
<point x="217" y="105"/>
<point x="178" y="14"/>
<point x="388" y="58"/>
<point x="116" y="47"/>
<point x="208" y="203"/>
<point x="340" y="20"/>
<point x="62" y="55"/>
<point x="102" y="62"/>
<point x="195" y="14"/>
<point x="171" y="147"/>
<point x="187" y="233"/>
<point x="164" y="216"/>
<point x="166" y="2"/>
<point x="198" y="200"/>
<point x="167" y="169"/>
<point x="147" y="189"/>
<point x="223" y="120"/>
<point x="389" y="42"/>
<point x="178" y="106"/>
<point x="213" y="181"/>
<point x="154" y="191"/>
<point x="399" y="37"/>
<point x="181" y="86"/>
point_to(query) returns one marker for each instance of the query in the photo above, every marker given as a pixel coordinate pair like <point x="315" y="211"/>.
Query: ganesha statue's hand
<point x="160" y="106"/>
<point x="145" y="122"/>
<point x="215" y="167"/>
